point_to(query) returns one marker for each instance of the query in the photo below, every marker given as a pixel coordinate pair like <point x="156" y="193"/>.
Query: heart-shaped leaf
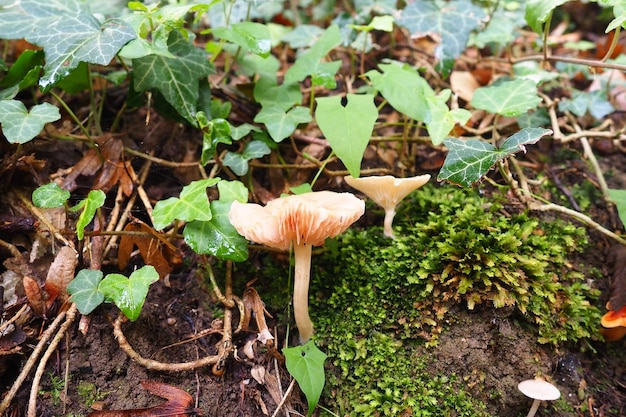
<point x="19" y="125"/>
<point x="129" y="294"/>
<point x="347" y="128"/>
<point x="281" y="124"/>
<point x="50" y="196"/>
<point x="306" y="364"/>
<point x="84" y="290"/>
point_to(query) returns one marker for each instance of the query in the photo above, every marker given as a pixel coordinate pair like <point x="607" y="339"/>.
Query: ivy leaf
<point x="468" y="160"/>
<point x="193" y="204"/>
<point x="217" y="237"/>
<point x="50" y="196"/>
<point x="347" y="128"/>
<point x="269" y="93"/>
<point x="538" y="11"/>
<point x="252" y="36"/>
<point x="232" y="191"/>
<point x="403" y="88"/>
<point x="306" y="364"/>
<point x="67" y="32"/>
<point x="25" y="70"/>
<point x="84" y="290"/>
<point x="452" y="20"/>
<point x="508" y="98"/>
<point x="303" y="36"/>
<point x="95" y="200"/>
<point x="176" y="78"/>
<point x="129" y="294"/>
<point x="214" y="132"/>
<point x="594" y="102"/>
<point x="281" y="124"/>
<point x="238" y="162"/>
<point x="311" y="62"/>
<point x="442" y="119"/>
<point x="19" y="125"/>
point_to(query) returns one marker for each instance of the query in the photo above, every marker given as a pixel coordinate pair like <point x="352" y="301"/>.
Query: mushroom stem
<point x="302" y="255"/>
<point x="388" y="223"/>
<point x="533" y="408"/>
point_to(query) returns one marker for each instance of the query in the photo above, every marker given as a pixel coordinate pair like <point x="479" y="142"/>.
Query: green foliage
<point x="306" y="364"/>
<point x="20" y="125"/>
<point x="457" y="251"/>
<point x="72" y="34"/>
<point x="193" y="204"/>
<point x="508" y="98"/>
<point x="347" y="128"/>
<point x="89" y="290"/>
<point x="50" y="196"/>
<point x="87" y="207"/>
<point x="469" y="160"/>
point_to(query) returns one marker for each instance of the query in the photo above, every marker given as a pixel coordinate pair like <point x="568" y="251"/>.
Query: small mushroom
<point x="614" y="324"/>
<point x="387" y="192"/>
<point x="304" y="220"/>
<point x="539" y="390"/>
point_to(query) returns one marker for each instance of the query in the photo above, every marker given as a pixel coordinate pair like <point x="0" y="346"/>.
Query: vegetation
<point x="251" y="88"/>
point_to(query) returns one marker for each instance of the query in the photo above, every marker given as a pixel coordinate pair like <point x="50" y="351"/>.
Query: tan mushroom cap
<point x="303" y="219"/>
<point x="539" y="389"/>
<point x="387" y="191"/>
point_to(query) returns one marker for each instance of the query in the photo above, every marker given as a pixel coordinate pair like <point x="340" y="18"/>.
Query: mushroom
<point x="539" y="390"/>
<point x="304" y="220"/>
<point x="387" y="192"/>
<point x="614" y="323"/>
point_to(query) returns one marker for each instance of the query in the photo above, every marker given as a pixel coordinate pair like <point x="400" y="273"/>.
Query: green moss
<point x="374" y="298"/>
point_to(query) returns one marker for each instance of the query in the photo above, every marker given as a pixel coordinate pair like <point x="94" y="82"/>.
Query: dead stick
<point x="580" y="217"/>
<point x="282" y="402"/>
<point x="32" y="359"/>
<point x="70" y="316"/>
<point x="156" y="365"/>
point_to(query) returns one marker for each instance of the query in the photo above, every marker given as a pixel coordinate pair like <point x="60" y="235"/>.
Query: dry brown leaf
<point x="60" y="274"/>
<point x="153" y="247"/>
<point x="34" y="295"/>
<point x="179" y="404"/>
<point x="463" y="84"/>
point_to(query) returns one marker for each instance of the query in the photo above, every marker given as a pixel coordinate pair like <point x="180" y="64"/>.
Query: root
<point x="151" y="363"/>
<point x="34" y="389"/>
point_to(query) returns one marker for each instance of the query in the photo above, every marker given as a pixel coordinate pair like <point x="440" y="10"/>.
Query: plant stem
<point x="302" y="254"/>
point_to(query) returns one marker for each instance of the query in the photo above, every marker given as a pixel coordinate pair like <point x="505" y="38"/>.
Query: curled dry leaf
<point x="153" y="247"/>
<point x="179" y="403"/>
<point x="60" y="274"/>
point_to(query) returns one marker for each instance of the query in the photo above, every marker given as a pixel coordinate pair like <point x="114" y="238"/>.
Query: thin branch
<point x="580" y="217"/>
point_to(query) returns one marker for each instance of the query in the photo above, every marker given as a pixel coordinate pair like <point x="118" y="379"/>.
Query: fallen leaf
<point x="153" y="247"/>
<point x="617" y="257"/>
<point x="60" y="274"/>
<point x="179" y="403"/>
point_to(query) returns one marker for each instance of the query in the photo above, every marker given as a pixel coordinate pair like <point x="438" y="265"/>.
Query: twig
<point x="282" y="402"/>
<point x="32" y="359"/>
<point x="13" y="319"/>
<point x="43" y="219"/>
<point x="580" y="217"/>
<point x="11" y="248"/>
<point x="70" y="316"/>
<point x="156" y="365"/>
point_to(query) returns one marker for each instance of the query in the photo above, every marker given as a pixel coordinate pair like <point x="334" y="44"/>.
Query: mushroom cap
<point x="614" y="318"/>
<point x="539" y="389"/>
<point x="387" y="191"/>
<point x="302" y="219"/>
